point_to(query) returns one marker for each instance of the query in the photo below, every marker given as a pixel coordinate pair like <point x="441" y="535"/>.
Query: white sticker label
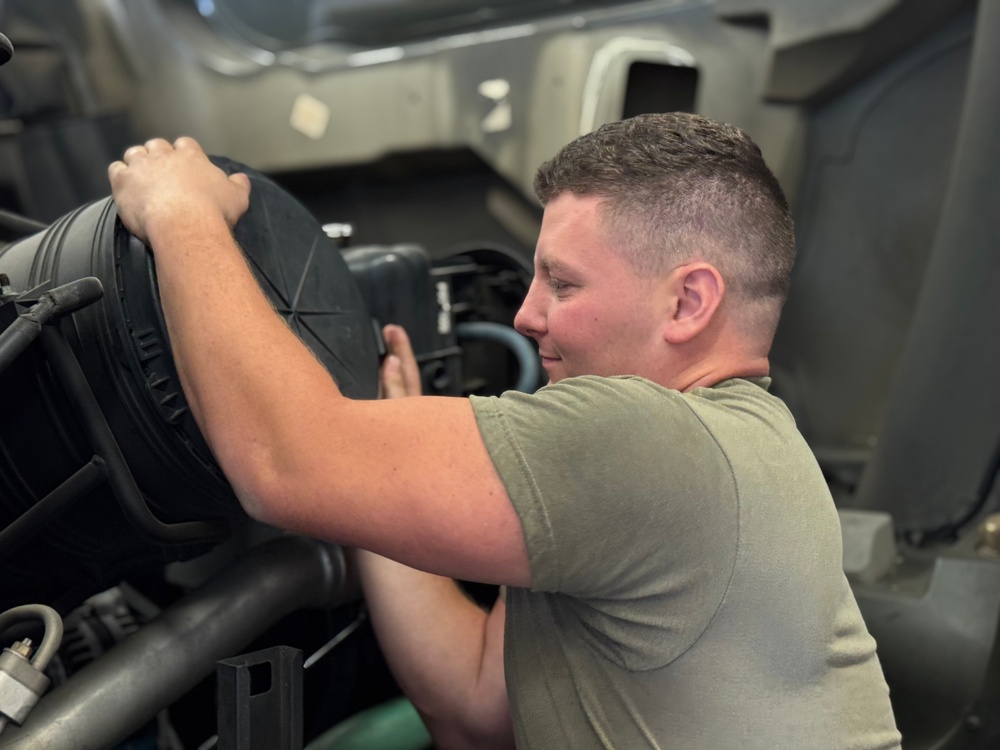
<point x="310" y="116"/>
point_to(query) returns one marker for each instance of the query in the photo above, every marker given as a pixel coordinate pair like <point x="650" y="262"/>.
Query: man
<point x="670" y="551"/>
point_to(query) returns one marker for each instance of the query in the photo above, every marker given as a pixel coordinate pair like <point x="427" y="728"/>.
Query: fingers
<point x="400" y="373"/>
<point x="241" y="180"/>
<point x="186" y="143"/>
<point x="398" y="343"/>
<point x="391" y="383"/>
<point x="133" y="152"/>
<point x="160" y="145"/>
<point x="115" y="168"/>
<point x="159" y="183"/>
<point x="157" y="144"/>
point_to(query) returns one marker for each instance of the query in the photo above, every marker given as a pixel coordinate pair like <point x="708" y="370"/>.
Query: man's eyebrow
<point x="550" y="265"/>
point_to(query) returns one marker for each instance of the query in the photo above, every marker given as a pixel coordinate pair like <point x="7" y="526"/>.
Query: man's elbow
<point x="452" y="735"/>
<point x="257" y="505"/>
<point x="263" y="490"/>
<point x="472" y="725"/>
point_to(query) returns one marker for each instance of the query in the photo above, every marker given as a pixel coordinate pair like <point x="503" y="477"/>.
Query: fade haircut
<point x="679" y="187"/>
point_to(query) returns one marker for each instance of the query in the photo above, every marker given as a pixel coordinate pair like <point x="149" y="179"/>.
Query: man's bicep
<point x="410" y="479"/>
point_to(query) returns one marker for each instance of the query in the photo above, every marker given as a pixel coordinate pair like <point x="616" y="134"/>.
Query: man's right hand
<point x="160" y="185"/>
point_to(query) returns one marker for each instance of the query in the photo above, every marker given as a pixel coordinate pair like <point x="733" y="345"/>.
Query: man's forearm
<point x="445" y="651"/>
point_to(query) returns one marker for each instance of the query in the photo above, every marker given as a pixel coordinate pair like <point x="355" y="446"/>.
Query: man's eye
<point x="558" y="286"/>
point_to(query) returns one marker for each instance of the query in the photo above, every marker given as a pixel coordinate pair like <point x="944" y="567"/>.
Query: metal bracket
<point x="260" y="700"/>
<point x="108" y="463"/>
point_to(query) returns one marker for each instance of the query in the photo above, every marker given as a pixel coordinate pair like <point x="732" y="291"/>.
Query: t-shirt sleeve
<point x="621" y="490"/>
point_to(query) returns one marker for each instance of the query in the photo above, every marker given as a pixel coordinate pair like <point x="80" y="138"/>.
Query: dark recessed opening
<point x="260" y="678"/>
<point x="655" y="87"/>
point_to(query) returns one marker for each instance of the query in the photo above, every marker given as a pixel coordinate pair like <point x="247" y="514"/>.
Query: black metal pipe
<point x="16" y="338"/>
<point x="116" y="695"/>
<point x="102" y="439"/>
<point x="51" y="506"/>
<point x="62" y="300"/>
<point x="53" y="630"/>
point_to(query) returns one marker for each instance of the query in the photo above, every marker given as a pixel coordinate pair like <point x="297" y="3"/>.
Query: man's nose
<point x="530" y="319"/>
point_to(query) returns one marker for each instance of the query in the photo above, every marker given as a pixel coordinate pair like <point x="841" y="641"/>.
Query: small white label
<point x="310" y="116"/>
<point x="444" y="307"/>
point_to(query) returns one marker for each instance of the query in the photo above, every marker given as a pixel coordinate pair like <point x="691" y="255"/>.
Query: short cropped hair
<point x="680" y="187"/>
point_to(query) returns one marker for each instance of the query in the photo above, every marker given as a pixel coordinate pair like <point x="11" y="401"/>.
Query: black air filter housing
<point x="122" y="348"/>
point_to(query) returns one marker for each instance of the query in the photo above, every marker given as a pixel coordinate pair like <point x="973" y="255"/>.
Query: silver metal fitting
<point x="21" y="683"/>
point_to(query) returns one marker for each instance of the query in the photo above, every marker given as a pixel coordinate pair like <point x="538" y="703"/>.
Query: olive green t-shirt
<point x="687" y="584"/>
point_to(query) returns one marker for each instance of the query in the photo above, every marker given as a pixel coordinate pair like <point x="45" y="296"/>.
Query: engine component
<point x="22" y="682"/>
<point x="20" y="329"/>
<point x="108" y="700"/>
<point x="94" y="627"/>
<point x="100" y="421"/>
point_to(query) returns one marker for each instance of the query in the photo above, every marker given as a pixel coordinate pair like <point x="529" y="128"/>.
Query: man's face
<point x="587" y="307"/>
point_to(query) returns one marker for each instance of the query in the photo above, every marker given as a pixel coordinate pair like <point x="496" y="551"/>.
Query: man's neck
<point x="707" y="373"/>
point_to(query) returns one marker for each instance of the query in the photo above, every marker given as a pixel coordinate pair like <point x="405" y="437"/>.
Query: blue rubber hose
<point x="527" y="358"/>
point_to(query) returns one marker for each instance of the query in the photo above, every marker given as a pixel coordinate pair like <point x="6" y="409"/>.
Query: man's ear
<point x="697" y="290"/>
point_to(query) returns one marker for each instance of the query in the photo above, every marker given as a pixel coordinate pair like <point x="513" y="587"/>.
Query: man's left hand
<point x="400" y="374"/>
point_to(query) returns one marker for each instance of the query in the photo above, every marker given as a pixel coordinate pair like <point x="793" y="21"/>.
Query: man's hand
<point x="399" y="375"/>
<point x="158" y="185"/>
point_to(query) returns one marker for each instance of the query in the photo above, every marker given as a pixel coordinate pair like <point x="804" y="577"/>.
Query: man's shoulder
<point x="634" y="404"/>
<point x="638" y="392"/>
<point x="584" y="396"/>
<point x="742" y="398"/>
